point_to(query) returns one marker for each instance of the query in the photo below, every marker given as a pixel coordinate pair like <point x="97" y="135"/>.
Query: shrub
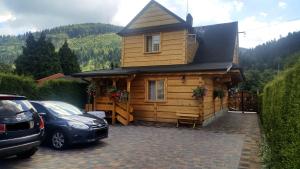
<point x="69" y="91"/>
<point x="20" y="85"/>
<point x="281" y="119"/>
<point x="73" y="92"/>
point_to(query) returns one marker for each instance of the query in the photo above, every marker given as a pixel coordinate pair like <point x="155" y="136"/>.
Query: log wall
<point x="172" y="50"/>
<point x="178" y="98"/>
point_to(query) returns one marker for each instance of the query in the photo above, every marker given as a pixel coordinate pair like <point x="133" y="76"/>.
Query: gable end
<point x="153" y="16"/>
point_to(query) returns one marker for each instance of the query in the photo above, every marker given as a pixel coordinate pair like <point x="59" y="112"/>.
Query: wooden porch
<point x="120" y="111"/>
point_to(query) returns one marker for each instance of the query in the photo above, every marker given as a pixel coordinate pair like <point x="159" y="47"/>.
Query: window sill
<point x="156" y="101"/>
<point x="152" y="52"/>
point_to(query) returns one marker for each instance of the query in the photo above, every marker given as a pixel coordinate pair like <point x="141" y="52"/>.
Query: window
<point x="192" y="38"/>
<point x="156" y="90"/>
<point x="152" y="43"/>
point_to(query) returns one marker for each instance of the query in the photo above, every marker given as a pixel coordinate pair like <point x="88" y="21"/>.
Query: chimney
<point x="189" y="19"/>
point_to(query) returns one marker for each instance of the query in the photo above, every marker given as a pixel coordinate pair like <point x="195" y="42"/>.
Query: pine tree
<point x="68" y="60"/>
<point x="38" y="59"/>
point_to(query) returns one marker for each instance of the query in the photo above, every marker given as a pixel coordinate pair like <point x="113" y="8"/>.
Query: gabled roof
<point x="216" y="42"/>
<point x="180" y="25"/>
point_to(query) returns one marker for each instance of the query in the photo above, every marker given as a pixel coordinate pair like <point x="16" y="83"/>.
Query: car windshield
<point x="62" y="109"/>
<point x="12" y="107"/>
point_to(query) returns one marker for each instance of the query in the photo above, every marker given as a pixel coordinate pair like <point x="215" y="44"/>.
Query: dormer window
<point x="152" y="43"/>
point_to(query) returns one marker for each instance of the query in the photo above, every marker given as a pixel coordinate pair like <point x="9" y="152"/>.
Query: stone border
<point x="214" y="117"/>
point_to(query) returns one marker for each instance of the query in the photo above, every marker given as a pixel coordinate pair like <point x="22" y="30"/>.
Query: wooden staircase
<point x="121" y="111"/>
<point x="124" y="115"/>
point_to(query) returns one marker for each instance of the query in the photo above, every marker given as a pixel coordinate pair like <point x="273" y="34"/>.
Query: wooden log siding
<point x="178" y="94"/>
<point x="208" y="100"/>
<point x="172" y="50"/>
<point x="153" y="16"/>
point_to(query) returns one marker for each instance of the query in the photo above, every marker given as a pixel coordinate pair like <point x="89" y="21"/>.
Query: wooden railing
<point x="120" y="111"/>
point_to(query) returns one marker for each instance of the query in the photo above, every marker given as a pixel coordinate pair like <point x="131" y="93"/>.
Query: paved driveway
<point x="230" y="142"/>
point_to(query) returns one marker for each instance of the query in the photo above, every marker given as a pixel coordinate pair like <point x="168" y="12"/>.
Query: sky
<point x="259" y="20"/>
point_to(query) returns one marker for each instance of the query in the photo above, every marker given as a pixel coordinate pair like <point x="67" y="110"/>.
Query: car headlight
<point x="78" y="125"/>
<point x="105" y="121"/>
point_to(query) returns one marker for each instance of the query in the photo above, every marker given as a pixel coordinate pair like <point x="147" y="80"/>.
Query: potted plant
<point x="199" y="92"/>
<point x="218" y="93"/>
<point x="123" y="96"/>
<point x="113" y="92"/>
<point x="118" y="95"/>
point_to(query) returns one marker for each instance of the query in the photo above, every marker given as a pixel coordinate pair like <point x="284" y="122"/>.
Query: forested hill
<point x="94" y="43"/>
<point x="79" y="30"/>
<point x="261" y="63"/>
<point x="271" y="55"/>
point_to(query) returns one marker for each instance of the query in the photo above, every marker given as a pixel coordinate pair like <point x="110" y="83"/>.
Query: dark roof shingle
<point x="216" y="42"/>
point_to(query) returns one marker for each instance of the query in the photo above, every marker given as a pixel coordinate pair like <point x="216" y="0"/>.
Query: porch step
<point x="124" y="113"/>
<point x="122" y="120"/>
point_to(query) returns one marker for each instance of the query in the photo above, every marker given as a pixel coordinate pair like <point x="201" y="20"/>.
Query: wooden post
<point x="94" y="103"/>
<point x="242" y="101"/>
<point x="128" y="101"/>
<point x="155" y="111"/>
<point x="113" y="118"/>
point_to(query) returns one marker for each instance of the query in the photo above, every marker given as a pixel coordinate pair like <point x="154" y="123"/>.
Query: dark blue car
<point x="65" y="124"/>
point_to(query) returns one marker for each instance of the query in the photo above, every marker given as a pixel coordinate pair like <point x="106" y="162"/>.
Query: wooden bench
<point x="187" y="118"/>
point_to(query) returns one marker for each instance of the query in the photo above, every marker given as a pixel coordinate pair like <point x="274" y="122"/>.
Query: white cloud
<point x="263" y="14"/>
<point x="7" y="17"/>
<point x="203" y="12"/>
<point x="282" y="4"/>
<point x="238" y="5"/>
<point x="258" y="32"/>
<point x="127" y="10"/>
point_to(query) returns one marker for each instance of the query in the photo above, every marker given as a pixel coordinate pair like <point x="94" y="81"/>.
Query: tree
<point x="68" y="60"/>
<point x="5" y="68"/>
<point x="38" y="59"/>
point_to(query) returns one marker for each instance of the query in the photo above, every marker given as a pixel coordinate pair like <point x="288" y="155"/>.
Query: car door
<point x="44" y="113"/>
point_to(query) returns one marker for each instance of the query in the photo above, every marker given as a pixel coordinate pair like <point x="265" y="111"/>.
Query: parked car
<point x="65" y="124"/>
<point x="21" y="128"/>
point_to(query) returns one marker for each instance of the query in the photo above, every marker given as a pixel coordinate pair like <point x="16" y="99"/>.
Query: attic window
<point x="152" y="43"/>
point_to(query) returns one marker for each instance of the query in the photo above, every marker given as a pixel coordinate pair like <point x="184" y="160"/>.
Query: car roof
<point x="48" y="101"/>
<point x="11" y="97"/>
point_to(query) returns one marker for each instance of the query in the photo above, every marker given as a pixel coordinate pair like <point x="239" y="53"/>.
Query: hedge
<point x="21" y="85"/>
<point x="64" y="90"/>
<point x="281" y="120"/>
<point x="70" y="91"/>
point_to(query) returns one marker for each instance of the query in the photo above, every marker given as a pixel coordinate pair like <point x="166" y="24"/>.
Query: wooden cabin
<point x="164" y="58"/>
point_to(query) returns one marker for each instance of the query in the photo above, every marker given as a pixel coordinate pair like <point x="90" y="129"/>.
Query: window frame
<point x="156" y="82"/>
<point x="145" y="42"/>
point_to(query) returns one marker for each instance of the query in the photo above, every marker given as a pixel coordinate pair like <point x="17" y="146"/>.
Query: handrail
<point x="122" y="109"/>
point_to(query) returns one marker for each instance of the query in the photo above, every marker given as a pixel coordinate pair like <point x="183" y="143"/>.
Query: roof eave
<point x="160" y="28"/>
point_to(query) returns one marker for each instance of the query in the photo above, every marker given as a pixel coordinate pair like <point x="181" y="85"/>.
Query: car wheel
<point x="28" y="153"/>
<point x="58" y="140"/>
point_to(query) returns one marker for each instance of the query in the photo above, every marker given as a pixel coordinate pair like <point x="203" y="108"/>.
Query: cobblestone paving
<point x="219" y="145"/>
